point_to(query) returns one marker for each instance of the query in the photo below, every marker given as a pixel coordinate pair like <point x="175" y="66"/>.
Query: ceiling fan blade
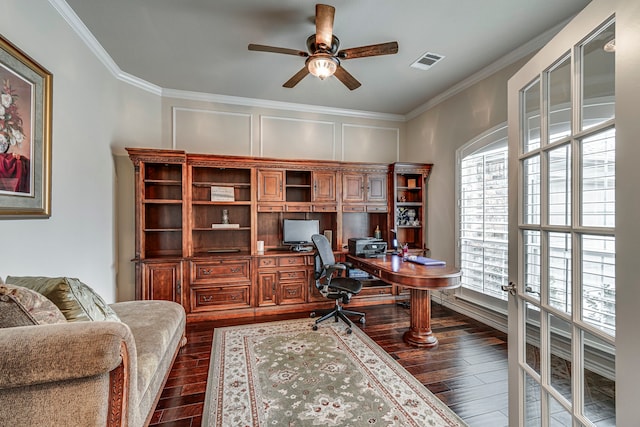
<point x="296" y="78"/>
<point x="346" y="78"/>
<point x="324" y="25"/>
<point x="371" y="50"/>
<point x="284" y="50"/>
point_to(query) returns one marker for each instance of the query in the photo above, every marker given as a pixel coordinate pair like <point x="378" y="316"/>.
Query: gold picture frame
<point x="25" y="135"/>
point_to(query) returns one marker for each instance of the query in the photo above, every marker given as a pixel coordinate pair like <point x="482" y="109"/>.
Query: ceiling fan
<point x="323" y="59"/>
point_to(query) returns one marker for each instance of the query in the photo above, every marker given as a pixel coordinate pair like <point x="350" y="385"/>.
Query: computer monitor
<point x="297" y="233"/>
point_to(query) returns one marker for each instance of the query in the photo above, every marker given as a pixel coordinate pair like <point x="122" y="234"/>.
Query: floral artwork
<point x="25" y="135"/>
<point x="11" y="132"/>
<point x="15" y="149"/>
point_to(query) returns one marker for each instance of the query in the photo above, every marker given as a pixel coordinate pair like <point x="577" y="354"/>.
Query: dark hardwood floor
<point x="467" y="371"/>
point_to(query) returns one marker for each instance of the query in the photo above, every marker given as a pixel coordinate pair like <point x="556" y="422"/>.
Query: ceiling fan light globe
<point x="322" y="66"/>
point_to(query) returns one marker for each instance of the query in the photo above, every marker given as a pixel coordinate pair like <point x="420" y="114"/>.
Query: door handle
<point x="512" y="288"/>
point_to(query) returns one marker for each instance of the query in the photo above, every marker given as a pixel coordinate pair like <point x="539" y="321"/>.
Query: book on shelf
<point x="222" y="194"/>
<point x="225" y="225"/>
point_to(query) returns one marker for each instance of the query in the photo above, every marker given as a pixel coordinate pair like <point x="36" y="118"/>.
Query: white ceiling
<point x="201" y="45"/>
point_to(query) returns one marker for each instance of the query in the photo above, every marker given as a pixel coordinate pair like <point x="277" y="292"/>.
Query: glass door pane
<point x="598" y="78"/>
<point x="559" y="99"/>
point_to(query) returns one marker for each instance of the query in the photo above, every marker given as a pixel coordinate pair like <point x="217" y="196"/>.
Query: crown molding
<point x="278" y="105"/>
<point x="531" y="46"/>
<point x="96" y="48"/>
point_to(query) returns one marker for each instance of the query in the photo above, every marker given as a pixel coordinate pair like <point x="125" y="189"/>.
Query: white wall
<point x="77" y="240"/>
<point x="93" y="113"/>
<point x="435" y="135"/>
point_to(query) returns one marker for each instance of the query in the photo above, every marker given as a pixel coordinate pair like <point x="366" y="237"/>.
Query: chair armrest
<point x="337" y="266"/>
<point x="41" y="354"/>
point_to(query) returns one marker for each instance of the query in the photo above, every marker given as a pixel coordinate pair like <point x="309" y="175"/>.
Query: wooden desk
<point x="420" y="280"/>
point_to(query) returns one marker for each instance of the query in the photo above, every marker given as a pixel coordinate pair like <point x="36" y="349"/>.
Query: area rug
<point x="285" y="374"/>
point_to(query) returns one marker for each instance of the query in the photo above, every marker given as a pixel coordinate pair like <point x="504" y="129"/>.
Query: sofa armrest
<point x="41" y="354"/>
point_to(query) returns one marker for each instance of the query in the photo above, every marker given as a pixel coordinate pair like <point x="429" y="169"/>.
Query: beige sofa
<point x="90" y="373"/>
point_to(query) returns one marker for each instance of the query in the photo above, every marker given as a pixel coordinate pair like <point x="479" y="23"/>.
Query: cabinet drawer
<point x="293" y="275"/>
<point x="377" y="208"/>
<point x="219" y="271"/>
<point x="298" y="208"/>
<point x="290" y="260"/>
<point x="325" y="208"/>
<point x="292" y="293"/>
<point x="267" y="262"/>
<point x="220" y="298"/>
<point x="270" y="208"/>
<point x="353" y="208"/>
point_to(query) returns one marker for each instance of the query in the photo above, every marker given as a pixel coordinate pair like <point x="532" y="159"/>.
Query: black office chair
<point x="331" y="285"/>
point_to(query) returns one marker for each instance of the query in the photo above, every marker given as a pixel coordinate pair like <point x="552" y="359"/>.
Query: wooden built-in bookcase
<point x="186" y="254"/>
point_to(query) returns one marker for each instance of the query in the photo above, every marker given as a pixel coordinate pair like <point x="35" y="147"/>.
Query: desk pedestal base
<point x="420" y="334"/>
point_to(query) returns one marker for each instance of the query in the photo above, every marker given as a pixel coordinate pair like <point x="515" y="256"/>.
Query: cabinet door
<point x="266" y="289"/>
<point x="324" y="186"/>
<point x="353" y="187"/>
<point x="377" y="188"/>
<point x="270" y="186"/>
<point x="162" y="281"/>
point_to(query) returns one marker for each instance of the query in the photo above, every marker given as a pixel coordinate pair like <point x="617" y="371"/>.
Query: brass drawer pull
<point x="206" y="299"/>
<point x="236" y="270"/>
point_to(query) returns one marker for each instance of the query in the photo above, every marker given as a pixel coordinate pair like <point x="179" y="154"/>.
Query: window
<point x="483" y="209"/>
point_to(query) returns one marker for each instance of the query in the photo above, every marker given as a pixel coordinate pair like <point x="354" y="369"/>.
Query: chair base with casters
<point x="332" y="286"/>
<point x="340" y="313"/>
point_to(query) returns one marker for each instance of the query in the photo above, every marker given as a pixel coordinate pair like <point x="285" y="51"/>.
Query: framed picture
<point x="25" y="135"/>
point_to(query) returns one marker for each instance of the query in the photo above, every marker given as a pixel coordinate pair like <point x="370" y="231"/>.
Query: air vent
<point x="427" y="61"/>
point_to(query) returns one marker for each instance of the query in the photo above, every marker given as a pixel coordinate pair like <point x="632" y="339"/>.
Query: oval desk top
<point x="392" y="269"/>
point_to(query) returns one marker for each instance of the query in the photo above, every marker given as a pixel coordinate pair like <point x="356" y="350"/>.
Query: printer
<point x="367" y="247"/>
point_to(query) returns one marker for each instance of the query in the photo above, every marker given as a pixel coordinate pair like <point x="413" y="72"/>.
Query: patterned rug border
<point x="338" y="331"/>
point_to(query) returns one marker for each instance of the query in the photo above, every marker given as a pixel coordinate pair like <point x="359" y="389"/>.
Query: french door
<point x="562" y="142"/>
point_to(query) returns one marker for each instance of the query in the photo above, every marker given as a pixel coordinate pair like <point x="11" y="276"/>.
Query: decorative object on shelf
<point x="377" y="233"/>
<point x="225" y="225"/>
<point x="222" y="194"/>
<point x="411" y="213"/>
<point x="225" y="216"/>
<point x="260" y="247"/>
<point x="411" y="183"/>
<point x="25" y="134"/>
<point x="407" y="217"/>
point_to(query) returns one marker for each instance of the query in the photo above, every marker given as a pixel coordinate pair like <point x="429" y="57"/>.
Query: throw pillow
<point x="77" y="301"/>
<point x="24" y="307"/>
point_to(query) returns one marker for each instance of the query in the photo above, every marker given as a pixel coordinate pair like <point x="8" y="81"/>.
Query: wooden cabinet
<point x="410" y="188"/>
<point x="270" y="185"/>
<point x="162" y="281"/>
<point x="324" y="187"/>
<point x="283" y="280"/>
<point x="365" y="192"/>
<point x="186" y="250"/>
<point x="221" y="283"/>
